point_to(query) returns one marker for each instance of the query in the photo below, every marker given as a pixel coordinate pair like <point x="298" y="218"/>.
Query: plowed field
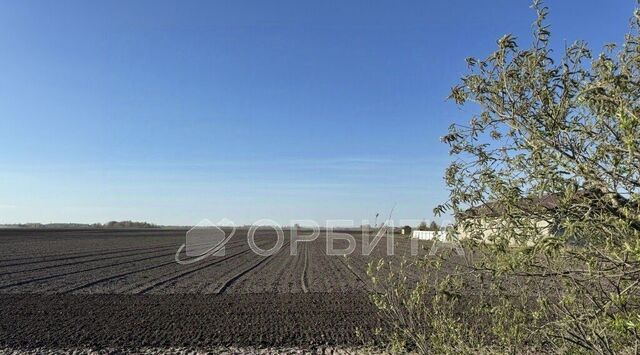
<point x="122" y="288"/>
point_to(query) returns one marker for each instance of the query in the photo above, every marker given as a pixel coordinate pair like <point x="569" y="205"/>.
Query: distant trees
<point x="111" y="224"/>
<point x="433" y="226"/>
<point x="128" y="224"/>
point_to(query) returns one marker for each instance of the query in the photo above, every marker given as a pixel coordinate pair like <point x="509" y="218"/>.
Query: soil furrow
<point x="108" y="278"/>
<point x="159" y="282"/>
<point x="23" y="282"/>
<point x="79" y="262"/>
<point x="89" y="254"/>
<point x="238" y="275"/>
<point x="303" y="278"/>
<point x="346" y="265"/>
<point x="119" y="275"/>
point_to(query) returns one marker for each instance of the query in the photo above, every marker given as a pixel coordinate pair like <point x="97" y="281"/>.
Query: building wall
<point x="491" y="227"/>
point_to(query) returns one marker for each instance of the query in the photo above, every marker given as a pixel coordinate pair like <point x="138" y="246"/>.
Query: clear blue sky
<point x="174" y="111"/>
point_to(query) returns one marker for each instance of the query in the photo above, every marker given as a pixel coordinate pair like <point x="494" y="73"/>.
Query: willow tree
<point x="545" y="185"/>
<point x="554" y="154"/>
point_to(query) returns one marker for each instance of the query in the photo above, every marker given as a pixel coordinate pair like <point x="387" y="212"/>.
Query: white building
<point x="429" y="235"/>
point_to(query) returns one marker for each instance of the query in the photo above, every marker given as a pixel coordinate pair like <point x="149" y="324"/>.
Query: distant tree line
<point x="433" y="226"/>
<point x="111" y="224"/>
<point x="126" y="224"/>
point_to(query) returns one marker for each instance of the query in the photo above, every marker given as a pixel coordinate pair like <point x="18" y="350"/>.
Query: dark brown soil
<point x="122" y="288"/>
<point x="131" y="321"/>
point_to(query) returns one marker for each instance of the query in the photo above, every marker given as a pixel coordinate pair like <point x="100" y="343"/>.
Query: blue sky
<point x="172" y="112"/>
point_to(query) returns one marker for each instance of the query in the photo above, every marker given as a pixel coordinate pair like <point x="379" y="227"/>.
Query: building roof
<point x="596" y="199"/>
<point x="495" y="209"/>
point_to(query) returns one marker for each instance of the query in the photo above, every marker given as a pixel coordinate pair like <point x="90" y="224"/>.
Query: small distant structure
<point x="429" y="235"/>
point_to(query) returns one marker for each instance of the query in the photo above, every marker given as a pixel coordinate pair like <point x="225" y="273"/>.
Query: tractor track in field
<point x="304" y="281"/>
<point x="280" y="274"/>
<point x="117" y="276"/>
<point x="80" y="262"/>
<point x="85" y="255"/>
<point x="365" y="284"/>
<point x="24" y="282"/>
<point x="169" y="278"/>
<point x="238" y="275"/>
<point x="113" y="277"/>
